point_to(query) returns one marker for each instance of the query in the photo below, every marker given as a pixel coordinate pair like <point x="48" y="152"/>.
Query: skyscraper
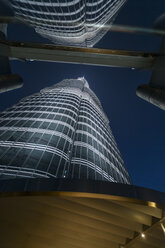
<point x="71" y="22"/>
<point x="61" y="132"/>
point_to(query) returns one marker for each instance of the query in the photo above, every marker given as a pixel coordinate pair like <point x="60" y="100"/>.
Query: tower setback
<point x="60" y="132"/>
<point x="68" y="22"/>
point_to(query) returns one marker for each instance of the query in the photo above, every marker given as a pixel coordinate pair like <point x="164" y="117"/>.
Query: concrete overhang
<point x="61" y="213"/>
<point x="77" y="55"/>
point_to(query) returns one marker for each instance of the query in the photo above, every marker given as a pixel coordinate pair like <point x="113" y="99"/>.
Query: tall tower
<point x="68" y="22"/>
<point x="61" y="132"/>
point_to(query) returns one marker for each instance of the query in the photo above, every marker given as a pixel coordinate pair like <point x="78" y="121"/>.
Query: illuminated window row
<point x="28" y="172"/>
<point x="45" y="108"/>
<point x="82" y="144"/>
<point x="106" y="146"/>
<point x="95" y="168"/>
<point x="36" y="130"/>
<point x="48" y="3"/>
<point x="34" y="156"/>
<point x="52" y="101"/>
<point x="87" y="117"/>
<point x="33" y="120"/>
<point x="97" y="110"/>
<point x="37" y="114"/>
<point x="43" y="12"/>
<point x="55" y="96"/>
<point x="88" y="128"/>
<point x="50" y="105"/>
<point x="86" y="111"/>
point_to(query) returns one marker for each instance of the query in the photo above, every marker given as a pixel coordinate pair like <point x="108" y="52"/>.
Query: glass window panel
<point x="76" y="171"/>
<point x="45" y="161"/>
<point x="45" y="125"/>
<point x="54" y="164"/>
<point x="54" y="140"/>
<point x="61" y="168"/>
<point x="11" y="152"/>
<point x="35" y="138"/>
<point x="36" y="124"/>
<point x="24" y="136"/>
<point x="61" y="143"/>
<point x="2" y="151"/>
<point x="91" y="173"/>
<point x="98" y="176"/>
<point x="33" y="159"/>
<point x="55" y="126"/>
<point x="5" y="135"/>
<point x="20" y="157"/>
<point x="83" y="172"/>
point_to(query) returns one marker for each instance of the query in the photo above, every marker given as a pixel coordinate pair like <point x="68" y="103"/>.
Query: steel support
<point x="154" y="93"/>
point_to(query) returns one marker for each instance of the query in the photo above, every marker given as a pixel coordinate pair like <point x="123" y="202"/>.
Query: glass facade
<point x="68" y="22"/>
<point x="61" y="132"/>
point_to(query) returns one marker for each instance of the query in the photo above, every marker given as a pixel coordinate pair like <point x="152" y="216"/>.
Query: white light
<point x="143" y="235"/>
<point x="81" y="78"/>
<point x="163" y="228"/>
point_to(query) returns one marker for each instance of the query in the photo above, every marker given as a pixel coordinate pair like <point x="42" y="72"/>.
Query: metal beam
<point x="77" y="55"/>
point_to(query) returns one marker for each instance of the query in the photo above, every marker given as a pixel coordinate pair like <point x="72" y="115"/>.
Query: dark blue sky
<point x="137" y="126"/>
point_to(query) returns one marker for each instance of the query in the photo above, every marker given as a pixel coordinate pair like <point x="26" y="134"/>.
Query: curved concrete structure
<point x="59" y="213"/>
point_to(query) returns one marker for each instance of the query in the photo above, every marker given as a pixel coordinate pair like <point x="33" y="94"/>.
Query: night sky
<point x="137" y="126"/>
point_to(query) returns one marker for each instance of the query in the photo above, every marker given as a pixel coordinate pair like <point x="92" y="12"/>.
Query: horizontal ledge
<point x="90" y="56"/>
<point x="80" y="188"/>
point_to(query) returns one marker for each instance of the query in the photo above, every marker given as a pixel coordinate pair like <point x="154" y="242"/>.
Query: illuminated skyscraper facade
<point x="68" y="22"/>
<point x="61" y="132"/>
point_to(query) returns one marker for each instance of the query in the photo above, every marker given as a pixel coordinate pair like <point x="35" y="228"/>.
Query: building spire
<point x="83" y="80"/>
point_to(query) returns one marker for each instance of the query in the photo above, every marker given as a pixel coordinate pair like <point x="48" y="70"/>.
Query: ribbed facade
<point x="68" y="22"/>
<point x="61" y="132"/>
